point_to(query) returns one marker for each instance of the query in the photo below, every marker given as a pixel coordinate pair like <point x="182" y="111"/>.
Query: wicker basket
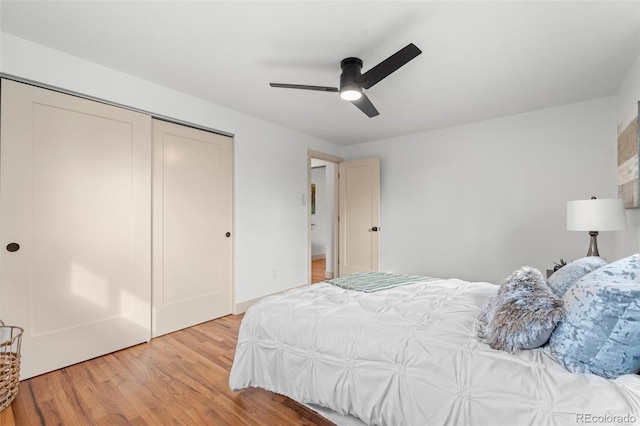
<point x="10" y="340"/>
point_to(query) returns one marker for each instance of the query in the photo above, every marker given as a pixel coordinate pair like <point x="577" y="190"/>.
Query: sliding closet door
<point x="192" y="225"/>
<point x="75" y="201"/>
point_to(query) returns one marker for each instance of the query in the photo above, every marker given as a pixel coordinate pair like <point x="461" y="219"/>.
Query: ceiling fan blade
<point x="389" y="65"/>
<point x="365" y="105"/>
<point x="305" y="87"/>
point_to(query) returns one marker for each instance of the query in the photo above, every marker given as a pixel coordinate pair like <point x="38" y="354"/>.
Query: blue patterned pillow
<point x="564" y="277"/>
<point x="600" y="333"/>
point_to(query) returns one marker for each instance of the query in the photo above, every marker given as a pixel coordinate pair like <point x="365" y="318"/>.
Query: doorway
<point x="349" y="234"/>
<point x="322" y="216"/>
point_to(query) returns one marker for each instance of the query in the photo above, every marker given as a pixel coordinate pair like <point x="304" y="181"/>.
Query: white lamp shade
<point x="603" y="214"/>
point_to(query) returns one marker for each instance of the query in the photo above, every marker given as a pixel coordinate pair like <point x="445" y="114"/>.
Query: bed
<point x="410" y="355"/>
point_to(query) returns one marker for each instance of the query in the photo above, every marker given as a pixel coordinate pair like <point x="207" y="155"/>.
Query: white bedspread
<point x="409" y="356"/>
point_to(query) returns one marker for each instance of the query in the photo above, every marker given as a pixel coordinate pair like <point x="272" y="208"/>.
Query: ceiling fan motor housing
<point x="351" y="69"/>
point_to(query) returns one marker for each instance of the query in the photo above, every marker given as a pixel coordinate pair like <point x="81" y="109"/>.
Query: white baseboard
<point x="242" y="307"/>
<point x="328" y="274"/>
<point x="318" y="256"/>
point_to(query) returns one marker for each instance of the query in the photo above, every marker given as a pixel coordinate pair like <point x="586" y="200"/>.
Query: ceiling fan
<point x="352" y="81"/>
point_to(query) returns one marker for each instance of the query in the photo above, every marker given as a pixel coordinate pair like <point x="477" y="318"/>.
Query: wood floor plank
<point x="318" y="267"/>
<point x="176" y="379"/>
<point x="6" y="417"/>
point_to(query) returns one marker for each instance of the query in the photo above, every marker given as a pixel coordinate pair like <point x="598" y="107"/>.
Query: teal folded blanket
<point x="370" y="282"/>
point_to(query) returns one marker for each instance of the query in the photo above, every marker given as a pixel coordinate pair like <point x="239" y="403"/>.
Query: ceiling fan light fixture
<point x="351" y="93"/>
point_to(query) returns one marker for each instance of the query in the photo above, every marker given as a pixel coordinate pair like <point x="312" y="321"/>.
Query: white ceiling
<point x="480" y="59"/>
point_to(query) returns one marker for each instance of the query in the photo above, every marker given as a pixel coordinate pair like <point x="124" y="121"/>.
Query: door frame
<point x="331" y="159"/>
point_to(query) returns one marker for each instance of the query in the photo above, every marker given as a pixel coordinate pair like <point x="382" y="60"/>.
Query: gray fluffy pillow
<point x="523" y="313"/>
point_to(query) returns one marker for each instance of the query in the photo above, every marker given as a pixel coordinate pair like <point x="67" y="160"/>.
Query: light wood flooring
<point x="177" y="379"/>
<point x="317" y="270"/>
<point x="180" y="378"/>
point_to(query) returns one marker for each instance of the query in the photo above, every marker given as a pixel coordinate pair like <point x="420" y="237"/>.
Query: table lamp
<point x="594" y="215"/>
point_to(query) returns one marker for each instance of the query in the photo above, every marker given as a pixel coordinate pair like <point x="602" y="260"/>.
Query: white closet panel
<point x="192" y="225"/>
<point x="75" y="195"/>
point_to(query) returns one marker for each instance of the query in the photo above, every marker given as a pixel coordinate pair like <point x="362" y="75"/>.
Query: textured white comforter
<point x="409" y="356"/>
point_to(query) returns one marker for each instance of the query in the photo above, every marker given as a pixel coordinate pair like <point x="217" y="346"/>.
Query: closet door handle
<point x="13" y="247"/>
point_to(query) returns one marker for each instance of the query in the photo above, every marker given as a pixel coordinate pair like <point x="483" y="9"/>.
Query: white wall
<point x="473" y="201"/>
<point x="480" y="200"/>
<point x="270" y="219"/>
<point x="628" y="96"/>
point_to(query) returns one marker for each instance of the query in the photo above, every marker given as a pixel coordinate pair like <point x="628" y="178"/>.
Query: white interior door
<point x="192" y="225"/>
<point x="359" y="217"/>
<point x="75" y="196"/>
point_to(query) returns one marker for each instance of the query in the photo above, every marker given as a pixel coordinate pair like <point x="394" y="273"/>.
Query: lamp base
<point x="593" y="244"/>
